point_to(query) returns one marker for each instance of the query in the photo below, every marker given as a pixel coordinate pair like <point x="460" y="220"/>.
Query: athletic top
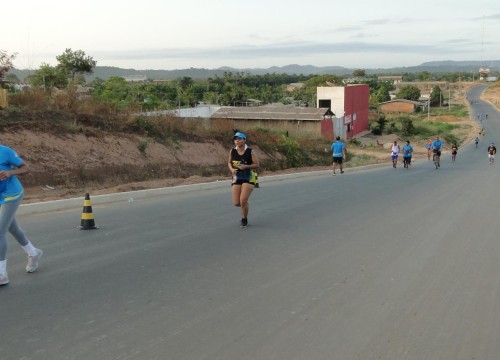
<point x="492" y="150"/>
<point x="338" y="149"/>
<point x="11" y="188"/>
<point x="437" y="144"/>
<point x="407" y="150"/>
<point x="245" y="159"/>
<point x="395" y="149"/>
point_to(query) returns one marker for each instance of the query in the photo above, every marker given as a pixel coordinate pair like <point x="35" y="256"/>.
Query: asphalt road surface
<point x="379" y="263"/>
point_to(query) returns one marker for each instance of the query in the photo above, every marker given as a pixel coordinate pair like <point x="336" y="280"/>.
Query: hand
<point x="4" y="175"/>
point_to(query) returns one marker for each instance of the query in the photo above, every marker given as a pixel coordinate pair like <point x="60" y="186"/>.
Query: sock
<point x="3" y="267"/>
<point x="29" y="249"/>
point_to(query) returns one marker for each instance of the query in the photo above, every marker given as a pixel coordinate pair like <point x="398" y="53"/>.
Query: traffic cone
<point x="257" y="180"/>
<point x="87" y="215"/>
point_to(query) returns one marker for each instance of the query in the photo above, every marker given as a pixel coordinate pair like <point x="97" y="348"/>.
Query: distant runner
<point x="407" y="152"/>
<point x="454" y="151"/>
<point x="437" y="145"/>
<point x="394" y="153"/>
<point x="339" y="154"/>
<point x="428" y="146"/>
<point x="492" y="150"/>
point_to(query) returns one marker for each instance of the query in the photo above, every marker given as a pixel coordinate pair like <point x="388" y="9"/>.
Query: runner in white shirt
<point x="394" y="153"/>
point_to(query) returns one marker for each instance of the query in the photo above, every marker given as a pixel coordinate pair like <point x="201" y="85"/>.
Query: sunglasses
<point x="238" y="138"/>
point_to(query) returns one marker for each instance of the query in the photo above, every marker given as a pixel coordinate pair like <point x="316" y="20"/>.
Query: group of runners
<point x="433" y="148"/>
<point x="242" y="163"/>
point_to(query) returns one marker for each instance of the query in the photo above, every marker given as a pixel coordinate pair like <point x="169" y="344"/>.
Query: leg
<point x="17" y="232"/>
<point x="246" y="191"/>
<point x="7" y="216"/>
<point x="235" y="194"/>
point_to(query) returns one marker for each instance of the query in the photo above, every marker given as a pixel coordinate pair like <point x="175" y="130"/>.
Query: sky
<point x="169" y="34"/>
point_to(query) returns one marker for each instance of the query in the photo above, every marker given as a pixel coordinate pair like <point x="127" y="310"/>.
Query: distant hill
<point x="448" y="66"/>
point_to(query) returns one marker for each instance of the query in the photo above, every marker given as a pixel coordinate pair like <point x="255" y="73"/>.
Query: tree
<point x="409" y="92"/>
<point x="6" y="62"/>
<point x="436" y="96"/>
<point x="407" y="127"/>
<point x="75" y="63"/>
<point x="185" y="82"/>
<point x="48" y="77"/>
<point x="383" y="94"/>
<point x="359" y="73"/>
<point x="424" y="76"/>
<point x="381" y="123"/>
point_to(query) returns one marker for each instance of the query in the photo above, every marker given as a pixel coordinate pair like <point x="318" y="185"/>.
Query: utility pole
<point x="429" y="109"/>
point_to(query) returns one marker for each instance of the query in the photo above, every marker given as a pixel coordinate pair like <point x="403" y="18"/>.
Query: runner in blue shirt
<point x="11" y="194"/>
<point x="339" y="154"/>
<point x="437" y="145"/>
<point x="407" y="152"/>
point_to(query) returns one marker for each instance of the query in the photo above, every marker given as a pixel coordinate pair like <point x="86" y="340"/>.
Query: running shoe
<point x="341" y="171"/>
<point x="4" y="279"/>
<point x="33" y="261"/>
<point x="244" y="222"/>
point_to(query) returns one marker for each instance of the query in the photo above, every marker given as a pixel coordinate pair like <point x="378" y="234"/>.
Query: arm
<point x="230" y="165"/>
<point x="19" y="170"/>
<point x="255" y="163"/>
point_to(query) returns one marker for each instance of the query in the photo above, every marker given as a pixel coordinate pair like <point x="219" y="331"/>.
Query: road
<point x="379" y="263"/>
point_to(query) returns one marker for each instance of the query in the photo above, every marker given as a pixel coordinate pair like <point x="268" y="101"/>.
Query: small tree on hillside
<point x="75" y="63"/>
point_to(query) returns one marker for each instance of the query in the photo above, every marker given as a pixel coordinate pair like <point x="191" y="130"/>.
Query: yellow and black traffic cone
<point x="87" y="215"/>
<point x="257" y="180"/>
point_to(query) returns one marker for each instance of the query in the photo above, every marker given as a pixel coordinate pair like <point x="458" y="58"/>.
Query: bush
<point x="407" y="128"/>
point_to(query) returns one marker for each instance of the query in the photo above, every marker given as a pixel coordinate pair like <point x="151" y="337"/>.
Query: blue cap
<point x="240" y="134"/>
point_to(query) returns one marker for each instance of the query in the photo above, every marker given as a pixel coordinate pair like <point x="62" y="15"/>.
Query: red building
<point x="350" y="106"/>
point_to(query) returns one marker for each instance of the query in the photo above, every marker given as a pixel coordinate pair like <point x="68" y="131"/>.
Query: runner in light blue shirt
<point x="339" y="151"/>
<point x="11" y="194"/>
<point x="437" y="145"/>
<point x="407" y="152"/>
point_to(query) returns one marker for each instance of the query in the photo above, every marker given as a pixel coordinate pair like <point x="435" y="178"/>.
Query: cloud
<point x="292" y="49"/>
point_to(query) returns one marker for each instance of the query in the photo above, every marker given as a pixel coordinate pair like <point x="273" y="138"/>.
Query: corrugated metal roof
<point x="270" y="113"/>
<point x="403" y="101"/>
